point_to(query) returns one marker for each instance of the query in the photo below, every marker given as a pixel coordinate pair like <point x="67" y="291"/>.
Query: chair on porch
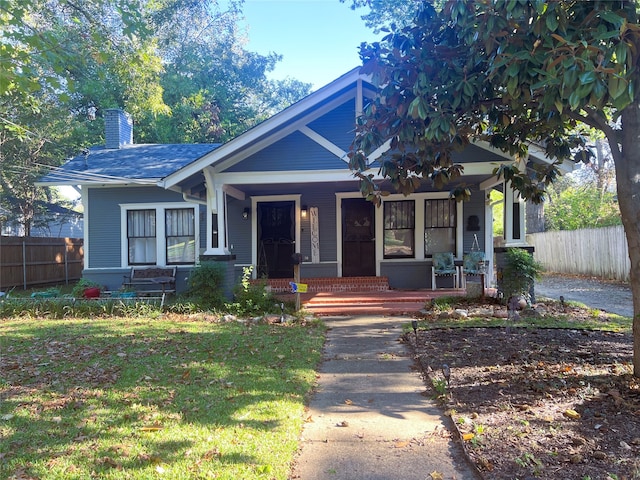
<point x="473" y="264"/>
<point x="444" y="266"/>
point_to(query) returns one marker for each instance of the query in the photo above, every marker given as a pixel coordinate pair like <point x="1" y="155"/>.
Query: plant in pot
<point x="86" y="289"/>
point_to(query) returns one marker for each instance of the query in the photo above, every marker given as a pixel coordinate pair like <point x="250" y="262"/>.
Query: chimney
<point x="118" y="128"/>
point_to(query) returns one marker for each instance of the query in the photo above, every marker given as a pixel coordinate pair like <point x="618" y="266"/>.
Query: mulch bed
<point x="538" y="403"/>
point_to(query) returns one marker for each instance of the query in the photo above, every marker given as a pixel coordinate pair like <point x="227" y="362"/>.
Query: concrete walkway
<point x="370" y="418"/>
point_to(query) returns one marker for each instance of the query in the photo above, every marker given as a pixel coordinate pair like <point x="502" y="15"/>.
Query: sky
<point x="318" y="39"/>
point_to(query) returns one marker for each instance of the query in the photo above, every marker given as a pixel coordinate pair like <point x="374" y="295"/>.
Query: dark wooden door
<point x="358" y="238"/>
<point x="276" y="239"/>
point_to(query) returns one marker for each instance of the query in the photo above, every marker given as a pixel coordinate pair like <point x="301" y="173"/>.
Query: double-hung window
<point x="439" y="226"/>
<point x="141" y="236"/>
<point x="399" y="229"/>
<point x="161" y="234"/>
<point x="180" y="236"/>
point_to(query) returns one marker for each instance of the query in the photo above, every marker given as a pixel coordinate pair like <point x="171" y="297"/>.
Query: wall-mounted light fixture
<point x="304" y="211"/>
<point x="245" y="213"/>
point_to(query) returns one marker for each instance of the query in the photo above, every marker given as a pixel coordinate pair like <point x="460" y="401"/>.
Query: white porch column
<point x="514" y="219"/>
<point x="215" y="206"/>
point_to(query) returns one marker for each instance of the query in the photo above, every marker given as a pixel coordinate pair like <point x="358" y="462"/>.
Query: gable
<point x="294" y="152"/>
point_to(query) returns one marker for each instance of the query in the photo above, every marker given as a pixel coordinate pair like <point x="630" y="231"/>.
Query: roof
<point x="137" y="163"/>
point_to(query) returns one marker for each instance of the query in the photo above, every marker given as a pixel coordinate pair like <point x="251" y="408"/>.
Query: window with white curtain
<point x="159" y="234"/>
<point x="180" y="236"/>
<point x="141" y="236"/>
<point x="399" y="229"/>
<point x="439" y="226"/>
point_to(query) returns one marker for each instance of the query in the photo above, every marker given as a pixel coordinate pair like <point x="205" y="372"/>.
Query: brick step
<point x="333" y="284"/>
<point x="389" y="302"/>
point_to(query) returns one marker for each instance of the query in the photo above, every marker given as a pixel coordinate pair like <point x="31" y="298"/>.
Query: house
<point x="55" y="221"/>
<point x="282" y="187"/>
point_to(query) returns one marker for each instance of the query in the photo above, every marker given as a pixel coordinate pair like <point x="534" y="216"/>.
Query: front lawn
<point x="152" y="398"/>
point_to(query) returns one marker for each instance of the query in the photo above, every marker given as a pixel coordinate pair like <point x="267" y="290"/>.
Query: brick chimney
<point x="118" y="126"/>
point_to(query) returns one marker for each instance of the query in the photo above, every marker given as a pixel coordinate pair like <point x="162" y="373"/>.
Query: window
<point x="159" y="234"/>
<point x="399" y="229"/>
<point x="439" y="226"/>
<point x="181" y="236"/>
<point x="141" y="236"/>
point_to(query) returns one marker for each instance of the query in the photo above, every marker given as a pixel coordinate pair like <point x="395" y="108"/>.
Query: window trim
<point x="412" y="229"/>
<point x="419" y="199"/>
<point x="161" y="237"/>
<point x="456" y="226"/>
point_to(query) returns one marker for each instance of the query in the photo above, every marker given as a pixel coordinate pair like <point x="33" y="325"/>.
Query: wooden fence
<point x="598" y="252"/>
<point x="30" y="261"/>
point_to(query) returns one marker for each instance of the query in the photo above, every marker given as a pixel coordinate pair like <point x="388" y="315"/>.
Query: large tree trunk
<point x="628" y="182"/>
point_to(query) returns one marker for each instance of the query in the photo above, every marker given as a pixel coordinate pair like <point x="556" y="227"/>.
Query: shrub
<point x="206" y="285"/>
<point x="252" y="299"/>
<point x="519" y="273"/>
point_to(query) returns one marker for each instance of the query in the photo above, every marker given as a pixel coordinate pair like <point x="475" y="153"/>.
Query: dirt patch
<point x="538" y="403"/>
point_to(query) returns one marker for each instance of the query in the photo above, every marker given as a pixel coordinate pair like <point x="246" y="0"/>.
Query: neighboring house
<point x="282" y="187"/>
<point x="57" y="222"/>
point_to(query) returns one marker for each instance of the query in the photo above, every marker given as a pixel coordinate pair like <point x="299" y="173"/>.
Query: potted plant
<point x="86" y="289"/>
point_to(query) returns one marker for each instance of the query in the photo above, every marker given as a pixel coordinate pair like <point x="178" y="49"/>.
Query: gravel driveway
<point x="611" y="297"/>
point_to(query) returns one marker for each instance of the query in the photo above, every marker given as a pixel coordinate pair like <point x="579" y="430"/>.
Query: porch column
<point x="513" y="217"/>
<point x="216" y="217"/>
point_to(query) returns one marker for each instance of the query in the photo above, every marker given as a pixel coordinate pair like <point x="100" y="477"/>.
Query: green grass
<point x="152" y="398"/>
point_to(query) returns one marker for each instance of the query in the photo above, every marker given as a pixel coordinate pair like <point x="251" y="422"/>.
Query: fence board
<point x="29" y="261"/>
<point x="598" y="252"/>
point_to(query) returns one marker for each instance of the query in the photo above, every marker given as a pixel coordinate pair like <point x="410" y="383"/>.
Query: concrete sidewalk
<point x="369" y="418"/>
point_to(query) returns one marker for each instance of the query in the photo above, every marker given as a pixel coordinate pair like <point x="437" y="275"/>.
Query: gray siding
<point x="104" y="219"/>
<point x="476" y="207"/>
<point x="338" y="125"/>
<point x="325" y="200"/>
<point x="407" y="274"/>
<point x="294" y="152"/>
<point x="239" y="230"/>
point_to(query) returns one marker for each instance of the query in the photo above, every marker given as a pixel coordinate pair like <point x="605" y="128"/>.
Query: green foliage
<point x="68" y="307"/>
<point x="519" y="273"/>
<point x="83" y="283"/>
<point x="206" y="285"/>
<point x="578" y="207"/>
<point x="252" y="299"/>
<point x="510" y="73"/>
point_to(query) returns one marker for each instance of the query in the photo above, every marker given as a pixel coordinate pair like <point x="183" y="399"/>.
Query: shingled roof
<point x="137" y="163"/>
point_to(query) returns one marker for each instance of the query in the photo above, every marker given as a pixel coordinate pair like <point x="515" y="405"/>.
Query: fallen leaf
<point x="150" y="429"/>
<point x="401" y="444"/>
<point x="348" y="402"/>
<point x="467" y="436"/>
<point x="572" y="414"/>
<point x="435" y="475"/>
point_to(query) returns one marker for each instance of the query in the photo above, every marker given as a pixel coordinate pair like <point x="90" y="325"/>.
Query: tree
<point x="581" y="206"/>
<point x="511" y="73"/>
<point x="178" y="66"/>
<point x="383" y="13"/>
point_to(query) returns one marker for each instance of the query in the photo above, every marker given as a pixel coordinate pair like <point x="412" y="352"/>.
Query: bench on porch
<point x="151" y="280"/>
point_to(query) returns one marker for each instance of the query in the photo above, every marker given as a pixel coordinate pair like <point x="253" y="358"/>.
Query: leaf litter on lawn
<point x="542" y="403"/>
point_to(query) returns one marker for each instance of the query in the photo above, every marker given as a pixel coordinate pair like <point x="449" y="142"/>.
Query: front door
<point x="358" y="240"/>
<point x="276" y="239"/>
